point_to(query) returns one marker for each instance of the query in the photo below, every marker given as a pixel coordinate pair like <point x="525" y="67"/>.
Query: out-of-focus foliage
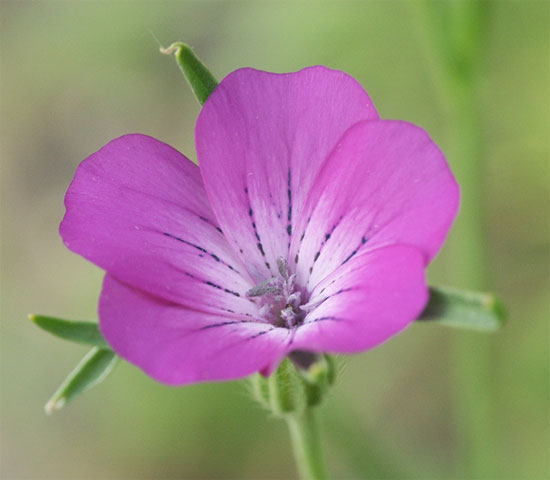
<point x="73" y="75"/>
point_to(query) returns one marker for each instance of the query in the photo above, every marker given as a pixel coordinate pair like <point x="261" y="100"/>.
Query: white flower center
<point x="279" y="299"/>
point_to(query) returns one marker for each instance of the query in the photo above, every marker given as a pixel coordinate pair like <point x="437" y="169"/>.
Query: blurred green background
<point x="75" y="74"/>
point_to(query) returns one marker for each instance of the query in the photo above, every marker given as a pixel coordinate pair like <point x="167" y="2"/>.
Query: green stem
<point x="455" y="33"/>
<point x="304" y="433"/>
<point x="472" y="354"/>
<point x="467" y="164"/>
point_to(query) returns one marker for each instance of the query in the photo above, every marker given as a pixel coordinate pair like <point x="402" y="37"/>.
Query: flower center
<point x="279" y="299"/>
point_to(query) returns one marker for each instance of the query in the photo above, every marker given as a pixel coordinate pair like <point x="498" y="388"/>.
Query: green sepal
<point x="464" y="309"/>
<point x="81" y="332"/>
<point x="200" y="79"/>
<point x="260" y="389"/>
<point x="318" y="378"/>
<point x="282" y="393"/>
<point x="286" y="390"/>
<point x="293" y="387"/>
<point x="90" y="371"/>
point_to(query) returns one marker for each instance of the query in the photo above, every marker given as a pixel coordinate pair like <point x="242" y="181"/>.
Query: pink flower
<point x="308" y="227"/>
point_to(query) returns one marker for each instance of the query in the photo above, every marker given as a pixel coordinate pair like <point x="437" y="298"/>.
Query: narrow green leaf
<point x="463" y="309"/>
<point x="81" y="332"/>
<point x="91" y="370"/>
<point x="200" y="79"/>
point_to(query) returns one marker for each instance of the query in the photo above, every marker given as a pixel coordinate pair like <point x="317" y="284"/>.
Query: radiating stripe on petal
<point x="385" y="183"/>
<point x="260" y="140"/>
<point x="176" y="346"/>
<point x="137" y="208"/>
<point x="365" y="302"/>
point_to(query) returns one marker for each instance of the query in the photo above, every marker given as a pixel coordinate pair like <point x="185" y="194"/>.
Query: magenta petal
<point x="261" y="139"/>
<point x="175" y="345"/>
<point x="137" y="208"/>
<point x="365" y="302"/>
<point x="385" y="183"/>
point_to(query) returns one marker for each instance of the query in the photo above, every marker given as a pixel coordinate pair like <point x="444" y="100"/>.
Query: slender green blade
<point x="81" y="332"/>
<point x="200" y="79"/>
<point x="464" y="309"/>
<point x="91" y="370"/>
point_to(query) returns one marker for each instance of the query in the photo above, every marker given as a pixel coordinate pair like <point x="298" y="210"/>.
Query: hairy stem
<point x="304" y="433"/>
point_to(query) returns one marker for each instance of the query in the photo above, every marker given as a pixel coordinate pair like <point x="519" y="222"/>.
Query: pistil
<point x="280" y="301"/>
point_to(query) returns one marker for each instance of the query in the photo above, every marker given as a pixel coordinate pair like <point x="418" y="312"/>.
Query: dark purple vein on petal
<point x="256" y="234"/>
<point x="326" y="238"/>
<point x="354" y="252"/>
<point x="200" y="249"/>
<point x="259" y="334"/>
<point x="219" y="287"/>
<point x="301" y="239"/>
<point x="323" y="319"/>
<point x="223" y="324"/>
<point x="289" y="194"/>
<point x="204" y="219"/>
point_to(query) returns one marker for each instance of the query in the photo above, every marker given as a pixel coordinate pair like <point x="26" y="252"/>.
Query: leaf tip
<point x="174" y="48"/>
<point x="54" y="404"/>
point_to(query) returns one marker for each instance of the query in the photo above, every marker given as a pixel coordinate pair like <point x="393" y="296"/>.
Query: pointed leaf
<point x="91" y="370"/>
<point x="81" y="332"/>
<point x="200" y="79"/>
<point x="463" y="309"/>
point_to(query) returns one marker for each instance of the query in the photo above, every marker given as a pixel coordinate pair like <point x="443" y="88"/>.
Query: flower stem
<point x="472" y="354"/>
<point x="304" y="433"/>
<point x="456" y="32"/>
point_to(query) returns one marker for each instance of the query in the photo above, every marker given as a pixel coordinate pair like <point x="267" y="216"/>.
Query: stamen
<point x="279" y="302"/>
<point x="290" y="282"/>
<point x="288" y="315"/>
<point x="269" y="286"/>
<point x="294" y="299"/>
<point x="282" y="265"/>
